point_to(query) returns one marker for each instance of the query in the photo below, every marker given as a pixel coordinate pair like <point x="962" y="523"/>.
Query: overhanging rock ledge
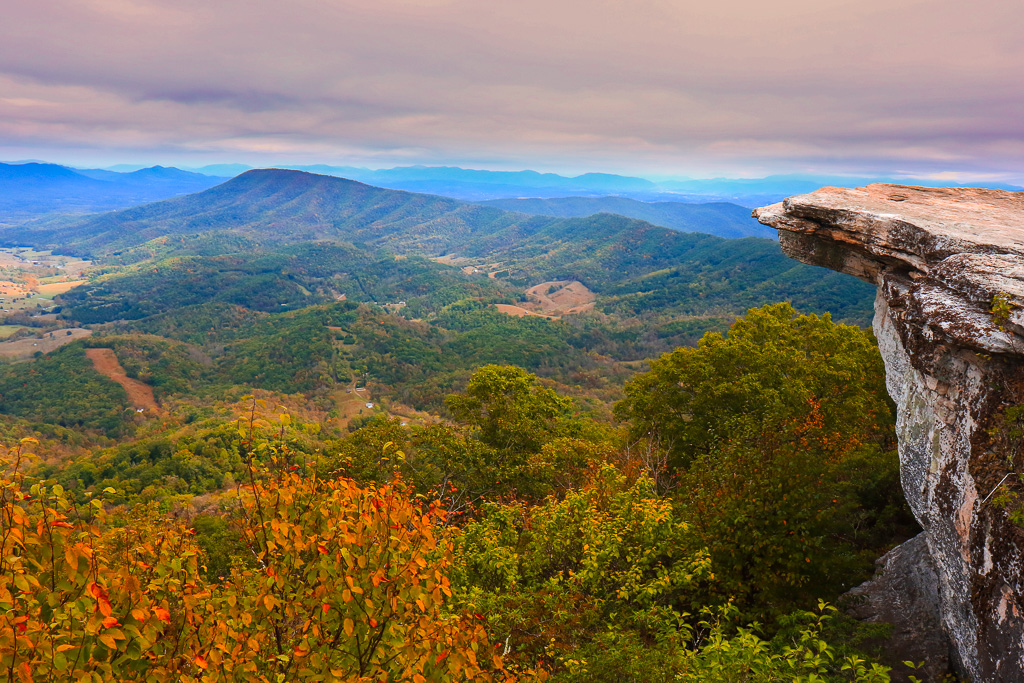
<point x="954" y="362"/>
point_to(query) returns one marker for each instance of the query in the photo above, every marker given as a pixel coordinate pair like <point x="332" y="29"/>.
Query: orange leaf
<point x="162" y="614"/>
<point x="111" y="622"/>
<point x="373" y="623"/>
<point x="322" y="548"/>
<point x="325" y="607"/>
<point x="200" y="662"/>
<point x="441" y="656"/>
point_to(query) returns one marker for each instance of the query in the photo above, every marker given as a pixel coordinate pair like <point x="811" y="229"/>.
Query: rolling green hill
<point x="636" y="268"/>
<point x="273" y="206"/>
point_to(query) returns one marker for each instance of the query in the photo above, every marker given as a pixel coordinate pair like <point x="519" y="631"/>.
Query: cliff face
<point x="940" y="258"/>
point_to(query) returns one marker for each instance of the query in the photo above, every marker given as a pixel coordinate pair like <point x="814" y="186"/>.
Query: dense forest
<point x="264" y="543"/>
<point x="321" y="459"/>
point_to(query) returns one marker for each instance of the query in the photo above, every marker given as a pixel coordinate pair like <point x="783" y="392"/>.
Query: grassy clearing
<point x="52" y="289"/>
<point x="22" y="349"/>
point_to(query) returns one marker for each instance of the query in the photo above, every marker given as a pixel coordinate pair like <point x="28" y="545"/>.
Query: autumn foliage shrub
<point x="343" y="583"/>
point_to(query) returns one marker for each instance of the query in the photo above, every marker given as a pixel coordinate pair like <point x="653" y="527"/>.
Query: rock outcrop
<point x="905" y="593"/>
<point x="949" y="318"/>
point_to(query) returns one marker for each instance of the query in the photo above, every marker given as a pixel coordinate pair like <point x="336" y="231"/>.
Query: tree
<point x="554" y="579"/>
<point x="347" y="581"/>
<point x="511" y="412"/>
<point x="780" y="437"/>
<point x="515" y="418"/>
<point x="770" y="369"/>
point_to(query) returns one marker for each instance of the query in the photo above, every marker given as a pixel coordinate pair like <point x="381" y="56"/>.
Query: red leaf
<point x="322" y="548"/>
<point x="325" y="607"/>
<point x="440" y="657"/>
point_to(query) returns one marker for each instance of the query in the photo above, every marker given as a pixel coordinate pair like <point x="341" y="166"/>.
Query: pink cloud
<point x="664" y="84"/>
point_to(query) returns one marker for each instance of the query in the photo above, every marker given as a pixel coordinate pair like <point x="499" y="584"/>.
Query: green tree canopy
<point x="511" y="412"/>
<point x="772" y="367"/>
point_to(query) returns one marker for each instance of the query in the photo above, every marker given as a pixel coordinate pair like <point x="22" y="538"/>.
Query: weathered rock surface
<point x="940" y="258"/>
<point x="905" y="593"/>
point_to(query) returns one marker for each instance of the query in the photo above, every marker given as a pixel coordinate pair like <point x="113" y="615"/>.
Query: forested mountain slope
<point x="646" y="268"/>
<point x="718" y="218"/>
<point x="280" y="206"/>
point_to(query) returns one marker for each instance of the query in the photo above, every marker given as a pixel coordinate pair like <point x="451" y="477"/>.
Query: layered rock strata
<point x="949" y="318"/>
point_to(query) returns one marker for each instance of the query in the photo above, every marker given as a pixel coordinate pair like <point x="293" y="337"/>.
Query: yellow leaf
<point x="349" y="627"/>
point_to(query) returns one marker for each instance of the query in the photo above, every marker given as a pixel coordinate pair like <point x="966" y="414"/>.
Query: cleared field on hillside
<point x="52" y="289"/>
<point x="520" y="312"/>
<point x="26" y="348"/>
<point x="140" y="395"/>
<point x="560" y="297"/>
<point x="351" y="403"/>
<point x="552" y="300"/>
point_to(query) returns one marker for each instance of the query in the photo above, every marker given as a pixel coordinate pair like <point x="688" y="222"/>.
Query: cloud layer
<point x="671" y="86"/>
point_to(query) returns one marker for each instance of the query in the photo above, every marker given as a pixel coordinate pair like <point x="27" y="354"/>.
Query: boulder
<point x="905" y="594"/>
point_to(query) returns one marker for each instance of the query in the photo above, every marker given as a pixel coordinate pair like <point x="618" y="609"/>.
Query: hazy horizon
<point x="929" y="179"/>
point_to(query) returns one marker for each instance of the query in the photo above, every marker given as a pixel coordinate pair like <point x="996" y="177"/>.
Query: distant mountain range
<point x="32" y="189"/>
<point x="277" y="206"/>
<point x="479" y="185"/>
<point x="636" y="267"/>
<point x="283" y="206"/>
<point x="719" y="218"/>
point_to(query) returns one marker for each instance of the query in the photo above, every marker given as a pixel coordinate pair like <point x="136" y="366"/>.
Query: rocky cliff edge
<point x="949" y="318"/>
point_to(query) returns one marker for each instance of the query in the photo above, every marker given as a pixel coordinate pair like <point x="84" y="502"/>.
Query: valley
<point x="437" y="341"/>
<point x="499" y="365"/>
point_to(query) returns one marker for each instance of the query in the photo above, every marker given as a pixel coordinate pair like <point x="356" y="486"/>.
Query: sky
<point x="659" y="88"/>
